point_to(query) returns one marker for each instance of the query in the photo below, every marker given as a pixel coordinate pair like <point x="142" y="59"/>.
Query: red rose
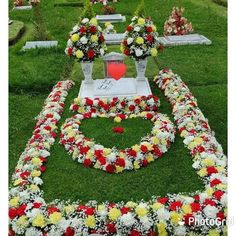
<point x="87" y="162"/>
<point x="209" y="202"/>
<point x="215" y="182"/>
<point x="129" y="28"/>
<point x="84" y="150"/>
<point x="149" y="29"/>
<point x="144" y="148"/>
<point x="102" y="160"/>
<point x="137" y="101"/>
<point x="163" y="200"/>
<point x="52" y="210"/>
<point x="118" y="129"/>
<point x="189" y="219"/>
<point x="110" y="168"/>
<point x="88" y="102"/>
<point x="12" y="212"/>
<point x="25" y="174"/>
<point x="101" y="38"/>
<point x="123" y="103"/>
<point x="211" y="170"/>
<point x="75" y="107"/>
<point x="197" y="198"/>
<point x="111" y="228"/>
<point x="122" y="116"/>
<point x="120" y="162"/>
<point x="11" y="232"/>
<point x="91" y="54"/>
<point x="149" y="38"/>
<point x="135" y="233"/>
<point x="218" y="194"/>
<point x="83" y="30"/>
<point x="69" y="231"/>
<point x="195" y="207"/>
<point x="125" y="42"/>
<point x="98" y="153"/>
<point x="145" y="163"/>
<point x="126" y="52"/>
<point x="93" y="29"/>
<point x="175" y="205"/>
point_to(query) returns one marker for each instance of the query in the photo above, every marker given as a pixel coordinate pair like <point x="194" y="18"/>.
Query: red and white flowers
<point x="177" y="24"/>
<point x="112" y="160"/>
<point x="141" y="39"/>
<point x="86" y="41"/>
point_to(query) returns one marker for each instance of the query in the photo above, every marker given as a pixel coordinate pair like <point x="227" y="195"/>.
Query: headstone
<point x="112" y="57"/>
<point x="114" y="38"/>
<point x="40" y="44"/>
<point x="22" y="8"/>
<point x="113" y="18"/>
<point x="190" y="39"/>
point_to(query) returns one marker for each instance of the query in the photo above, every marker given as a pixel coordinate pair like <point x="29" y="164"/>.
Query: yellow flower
<point x="119" y="169"/>
<point x="131" y="204"/>
<point x="101" y="208"/>
<point x="183" y="133"/>
<point x="81" y="109"/>
<point x="122" y="49"/>
<point x="154" y="28"/>
<point x="161" y="229"/>
<point x="175" y="217"/>
<point x="198" y="140"/>
<point x="139" y="40"/>
<point x="14" y="201"/>
<point x="155" y="140"/>
<point x="213" y="232"/>
<point x="208" y="162"/>
<point x="34" y="187"/>
<point x="107" y="24"/>
<point x="209" y="192"/>
<point x="36" y="161"/>
<point x="136" y="165"/>
<point x="94" y="38"/>
<point x="22" y="221"/>
<point x="36" y="173"/>
<point x="150" y="158"/>
<point x="39" y="221"/>
<point x="69" y="209"/>
<point x="136" y="148"/>
<point x="141" y="211"/>
<point x="156" y="206"/>
<point x="79" y="54"/>
<point x="117" y="119"/>
<point x="55" y="217"/>
<point x="75" y="38"/>
<point x="114" y="213"/>
<point x="107" y="151"/>
<point x="93" y="21"/>
<point x="90" y="221"/>
<point x="187" y="209"/>
<point x="202" y="172"/>
<point x="17" y="182"/>
<point x="141" y="21"/>
<point x="154" y="52"/>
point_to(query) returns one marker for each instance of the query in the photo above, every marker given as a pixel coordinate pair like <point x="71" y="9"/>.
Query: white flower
<point x="138" y="52"/>
<point x="180" y="231"/>
<point x="127" y="219"/>
<point x="32" y="232"/>
<point x="163" y="214"/>
<point x="76" y="28"/>
<point x="130" y="40"/>
<point x="84" y="40"/>
<point x="85" y="20"/>
<point x="210" y="211"/>
<point x="102" y="51"/>
<point x="137" y="28"/>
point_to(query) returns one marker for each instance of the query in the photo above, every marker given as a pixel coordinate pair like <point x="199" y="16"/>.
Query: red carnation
<point x="21" y="210"/>
<point x="101" y="38"/>
<point x="120" y="162"/>
<point x="69" y="231"/>
<point x="131" y="107"/>
<point x="84" y="150"/>
<point x="111" y="227"/>
<point x="43" y="168"/>
<point x="87" y="162"/>
<point x="89" y="211"/>
<point x="149" y="29"/>
<point x="137" y="101"/>
<point x="12" y="213"/>
<point x="126" y="52"/>
<point x="52" y="210"/>
<point x="163" y="200"/>
<point x="135" y="233"/>
<point x="175" y="205"/>
<point x="75" y="107"/>
<point x="125" y="42"/>
<point x="220" y="215"/>
<point x="118" y="129"/>
<point x="211" y="170"/>
<point x="129" y="28"/>
<point x="149" y="38"/>
<point x="122" y="116"/>
<point x="145" y="163"/>
<point x="83" y="30"/>
<point x="132" y="153"/>
<point x="88" y="102"/>
<point x="98" y="153"/>
<point x="124" y="210"/>
<point x="91" y="54"/>
<point x="149" y="116"/>
<point x="195" y="207"/>
<point x="144" y="148"/>
<point x="189" y="219"/>
<point x="70" y="51"/>
<point x="102" y="160"/>
<point x="110" y="168"/>
<point x="37" y="204"/>
<point x="215" y="182"/>
<point x="93" y="29"/>
<point x="25" y="174"/>
<point x="210" y="202"/>
<point x="218" y="194"/>
<point x="123" y="103"/>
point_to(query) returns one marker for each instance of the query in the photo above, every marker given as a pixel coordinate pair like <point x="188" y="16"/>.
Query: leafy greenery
<point x="140" y="11"/>
<point x="33" y="73"/>
<point x="221" y="2"/>
<point x="16" y="29"/>
<point x="88" y="10"/>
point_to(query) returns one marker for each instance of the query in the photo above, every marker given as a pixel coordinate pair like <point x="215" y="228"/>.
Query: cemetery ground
<point x="33" y="74"/>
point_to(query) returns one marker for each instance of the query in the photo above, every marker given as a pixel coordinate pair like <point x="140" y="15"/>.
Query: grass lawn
<point x="33" y="73"/>
<point x="16" y="29"/>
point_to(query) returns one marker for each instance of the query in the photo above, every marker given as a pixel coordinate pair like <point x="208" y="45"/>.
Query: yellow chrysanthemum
<point x="175" y="217"/>
<point x="17" y="182"/>
<point x="94" y="38"/>
<point x="154" y="52"/>
<point x="101" y="207"/>
<point x="36" y="173"/>
<point x="187" y="209"/>
<point x="36" y="161"/>
<point x="139" y="40"/>
<point x="79" y="54"/>
<point x="161" y="229"/>
<point x="75" y="38"/>
<point x="136" y="148"/>
<point x="209" y="192"/>
<point x="39" y="221"/>
<point x="141" y="21"/>
<point x="117" y="119"/>
<point x="136" y="165"/>
<point x="119" y="169"/>
<point x="107" y="24"/>
<point x="141" y="211"/>
<point x="55" y="217"/>
<point x="213" y="232"/>
<point x="22" y="221"/>
<point x="107" y="151"/>
<point x="208" y="162"/>
<point x="34" y="187"/>
<point x="150" y="158"/>
<point x="69" y="209"/>
<point x="93" y="21"/>
<point x="155" y="140"/>
<point x="90" y="221"/>
<point x="114" y="213"/>
<point x="202" y="172"/>
<point x="14" y="202"/>
<point x="156" y="206"/>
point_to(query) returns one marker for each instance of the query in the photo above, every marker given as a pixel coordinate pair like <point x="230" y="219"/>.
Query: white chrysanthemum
<point x="130" y="40"/>
<point x="138" y="52"/>
<point x="84" y="40"/>
<point x="137" y="28"/>
<point x="85" y="20"/>
<point x="32" y="232"/>
<point x="210" y="211"/>
<point x="180" y="231"/>
<point x="75" y="28"/>
<point x="163" y="214"/>
<point x="127" y="219"/>
<point x="102" y="51"/>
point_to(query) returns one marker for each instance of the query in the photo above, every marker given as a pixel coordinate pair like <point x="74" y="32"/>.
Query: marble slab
<point x="125" y="87"/>
<point x="22" y="8"/>
<point x="39" y="44"/>
<point x="113" y="18"/>
<point x="113" y="38"/>
<point x="191" y="39"/>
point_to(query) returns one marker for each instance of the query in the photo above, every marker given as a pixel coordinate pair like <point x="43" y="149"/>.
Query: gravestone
<point x="190" y="39"/>
<point x="113" y="38"/>
<point x="22" y="8"/>
<point x="39" y="44"/>
<point x="113" y="18"/>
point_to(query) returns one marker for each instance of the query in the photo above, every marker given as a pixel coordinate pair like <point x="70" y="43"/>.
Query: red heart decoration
<point x="116" y="70"/>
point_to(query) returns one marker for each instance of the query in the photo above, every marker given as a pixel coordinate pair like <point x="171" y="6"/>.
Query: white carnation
<point x="210" y="211"/>
<point x="137" y="28"/>
<point x="85" y="20"/>
<point x="180" y="231"/>
<point x="163" y="214"/>
<point x="127" y="219"/>
<point x="138" y="52"/>
<point x="130" y="40"/>
<point x="84" y="40"/>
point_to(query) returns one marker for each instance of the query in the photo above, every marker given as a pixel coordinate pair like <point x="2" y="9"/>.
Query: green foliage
<point x="140" y="11"/>
<point x="16" y="29"/>
<point x="88" y="10"/>
<point x="221" y="2"/>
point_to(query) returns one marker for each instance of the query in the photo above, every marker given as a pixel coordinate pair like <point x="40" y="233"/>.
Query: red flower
<point x="220" y="215"/>
<point x="102" y="160"/>
<point x="84" y="150"/>
<point x="12" y="213"/>
<point x="132" y="153"/>
<point x="210" y="202"/>
<point x="25" y="174"/>
<point x="149" y="116"/>
<point x="135" y="233"/>
<point x="43" y="168"/>
<point x="122" y="116"/>
<point x="144" y="148"/>
<point x="197" y="198"/>
<point x="189" y="219"/>
<point x="123" y="103"/>
<point x="52" y="210"/>
<point x="149" y="38"/>
<point x="91" y="54"/>
<point x="195" y="207"/>
<point x="101" y="38"/>
<point x="89" y="211"/>
<point x="149" y="29"/>
<point x="120" y="162"/>
<point x="110" y="168"/>
<point x="145" y="163"/>
<point x="118" y="129"/>
<point x="124" y="210"/>
<point x="87" y="162"/>
<point x="218" y="194"/>
<point x="131" y="107"/>
<point x="70" y="51"/>
<point x="83" y="30"/>
<point x="75" y="107"/>
<point x="215" y="182"/>
<point x="137" y="101"/>
<point x="98" y="153"/>
<point x="37" y="204"/>
<point x="126" y="52"/>
<point x="69" y="231"/>
<point x="88" y="102"/>
<point x="125" y="42"/>
<point x="163" y="200"/>
<point x="175" y="205"/>
<point x="129" y="28"/>
<point x="21" y="210"/>
<point x="11" y="232"/>
<point x="211" y="170"/>
<point x="93" y="29"/>
<point x="111" y="227"/>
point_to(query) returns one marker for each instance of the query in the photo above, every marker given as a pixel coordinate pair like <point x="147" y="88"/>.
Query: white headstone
<point x="22" y="8"/>
<point x="113" y="38"/>
<point x="113" y="18"/>
<point x="40" y="44"/>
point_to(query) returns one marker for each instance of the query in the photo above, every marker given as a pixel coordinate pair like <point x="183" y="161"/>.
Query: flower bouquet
<point x="109" y="28"/>
<point x="177" y="24"/>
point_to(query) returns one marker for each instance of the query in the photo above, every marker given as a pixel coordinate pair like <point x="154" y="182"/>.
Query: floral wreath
<point x="174" y="214"/>
<point x="112" y="160"/>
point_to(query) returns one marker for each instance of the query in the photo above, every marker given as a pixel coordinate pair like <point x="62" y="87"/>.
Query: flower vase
<point x="87" y="68"/>
<point x="141" y="66"/>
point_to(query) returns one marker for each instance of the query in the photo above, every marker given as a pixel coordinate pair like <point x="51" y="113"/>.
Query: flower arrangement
<point x="112" y="160"/>
<point x="18" y="3"/>
<point x="104" y="2"/>
<point x="177" y="24"/>
<point x="109" y="28"/>
<point x="107" y="10"/>
<point x="140" y="39"/>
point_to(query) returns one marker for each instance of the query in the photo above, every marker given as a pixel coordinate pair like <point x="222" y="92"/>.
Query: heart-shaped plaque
<point x="116" y="70"/>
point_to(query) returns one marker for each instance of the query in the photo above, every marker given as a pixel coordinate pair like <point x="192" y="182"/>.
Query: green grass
<point x="221" y="2"/>
<point x="33" y="73"/>
<point x="16" y="29"/>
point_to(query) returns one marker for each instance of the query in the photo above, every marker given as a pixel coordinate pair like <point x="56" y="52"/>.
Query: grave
<point x="20" y="8"/>
<point x="109" y="87"/>
<point x="113" y="38"/>
<point x="113" y="18"/>
<point x="190" y="39"/>
<point x="39" y="44"/>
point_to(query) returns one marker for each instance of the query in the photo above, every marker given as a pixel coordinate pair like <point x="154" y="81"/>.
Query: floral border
<point x="112" y="160"/>
<point x="175" y="214"/>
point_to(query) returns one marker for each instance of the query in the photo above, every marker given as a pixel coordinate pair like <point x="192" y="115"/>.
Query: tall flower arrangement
<point x="177" y="24"/>
<point x="86" y="40"/>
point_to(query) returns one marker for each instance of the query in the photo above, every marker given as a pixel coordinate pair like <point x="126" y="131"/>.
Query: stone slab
<point x="113" y="38"/>
<point x="125" y="87"/>
<point x="22" y="8"/>
<point x="191" y="39"/>
<point x="113" y="18"/>
<point x="39" y="44"/>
